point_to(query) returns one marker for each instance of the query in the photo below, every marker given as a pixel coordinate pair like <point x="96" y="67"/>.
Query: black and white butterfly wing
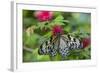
<point x="43" y="49"/>
<point x="72" y="42"/>
<point x="60" y="44"/>
<point x="53" y="47"/>
<point x="48" y="47"/>
<point x="63" y="48"/>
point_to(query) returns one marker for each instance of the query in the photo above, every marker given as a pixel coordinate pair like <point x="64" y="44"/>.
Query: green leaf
<point x="47" y="34"/>
<point x="56" y="13"/>
<point x="29" y="22"/>
<point x="30" y="41"/>
<point x="56" y="23"/>
<point x="41" y="25"/>
<point x="66" y="21"/>
<point x="59" y="18"/>
<point x="67" y="29"/>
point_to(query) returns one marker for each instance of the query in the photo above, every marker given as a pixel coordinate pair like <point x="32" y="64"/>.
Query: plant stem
<point x="28" y="49"/>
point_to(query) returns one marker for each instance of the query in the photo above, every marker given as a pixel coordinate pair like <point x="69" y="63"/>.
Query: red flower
<point x="44" y="15"/>
<point x="86" y="42"/>
<point x="57" y="29"/>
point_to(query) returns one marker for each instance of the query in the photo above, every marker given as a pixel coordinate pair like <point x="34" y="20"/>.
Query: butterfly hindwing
<point x="43" y="49"/>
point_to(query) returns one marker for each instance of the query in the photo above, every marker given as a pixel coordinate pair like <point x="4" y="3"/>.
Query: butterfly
<point x="61" y="44"/>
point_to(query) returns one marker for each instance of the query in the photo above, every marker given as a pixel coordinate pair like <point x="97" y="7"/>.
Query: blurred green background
<point x="34" y="32"/>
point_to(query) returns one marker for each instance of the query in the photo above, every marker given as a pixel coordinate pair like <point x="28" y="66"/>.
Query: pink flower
<point x="57" y="29"/>
<point x="86" y="42"/>
<point x="44" y="15"/>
